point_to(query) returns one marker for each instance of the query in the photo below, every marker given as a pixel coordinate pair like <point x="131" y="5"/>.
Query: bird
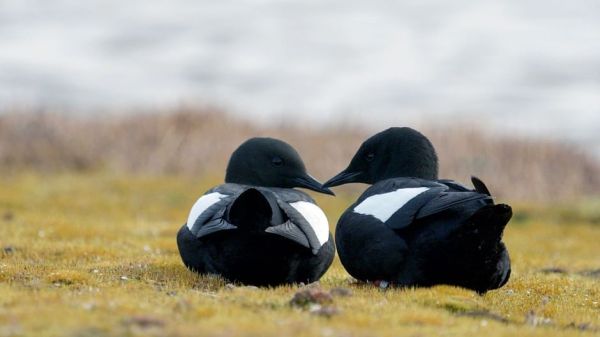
<point x="411" y="229"/>
<point x="256" y="229"/>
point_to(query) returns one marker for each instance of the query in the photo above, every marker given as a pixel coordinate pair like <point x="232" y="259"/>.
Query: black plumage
<point x="413" y="229"/>
<point x="256" y="229"/>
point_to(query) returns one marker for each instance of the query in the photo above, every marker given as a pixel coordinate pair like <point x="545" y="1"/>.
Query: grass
<point x="192" y="141"/>
<point x="95" y="255"/>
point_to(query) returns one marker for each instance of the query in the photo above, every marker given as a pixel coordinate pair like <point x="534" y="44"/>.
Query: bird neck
<point x="235" y="175"/>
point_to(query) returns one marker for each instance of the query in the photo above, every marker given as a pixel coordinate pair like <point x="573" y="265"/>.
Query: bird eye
<point x="277" y="161"/>
<point x="370" y="156"/>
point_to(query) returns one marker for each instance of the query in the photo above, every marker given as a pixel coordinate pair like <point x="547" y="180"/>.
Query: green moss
<point x="95" y="255"/>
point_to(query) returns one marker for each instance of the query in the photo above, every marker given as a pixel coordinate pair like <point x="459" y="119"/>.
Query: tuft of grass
<point x="94" y="254"/>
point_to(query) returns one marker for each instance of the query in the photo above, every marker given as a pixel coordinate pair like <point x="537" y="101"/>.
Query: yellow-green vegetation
<point x="95" y="255"/>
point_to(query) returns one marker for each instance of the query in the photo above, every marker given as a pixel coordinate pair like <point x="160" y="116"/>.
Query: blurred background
<point x="506" y="90"/>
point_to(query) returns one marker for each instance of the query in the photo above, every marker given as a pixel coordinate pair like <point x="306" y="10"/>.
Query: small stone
<point x="308" y="296"/>
<point x="341" y="292"/>
<point x="8" y="216"/>
<point x="8" y="250"/>
<point x="553" y="270"/>
<point x="144" y="322"/>
<point x="124" y="278"/>
<point x="485" y="315"/>
<point x="325" y="311"/>
<point x="383" y="285"/>
<point x="580" y="326"/>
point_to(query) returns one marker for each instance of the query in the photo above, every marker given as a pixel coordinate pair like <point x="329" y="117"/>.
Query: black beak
<point x="343" y="178"/>
<point x="312" y="184"/>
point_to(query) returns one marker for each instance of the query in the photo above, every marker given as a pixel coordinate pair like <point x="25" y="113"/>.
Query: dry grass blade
<point x="199" y="142"/>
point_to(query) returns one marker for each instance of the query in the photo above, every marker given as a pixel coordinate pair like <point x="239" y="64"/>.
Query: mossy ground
<point x="95" y="255"/>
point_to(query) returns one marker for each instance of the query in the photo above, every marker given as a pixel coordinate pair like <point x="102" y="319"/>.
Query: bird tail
<point x="480" y="186"/>
<point x="491" y="220"/>
<point x="486" y="258"/>
<point x="251" y="210"/>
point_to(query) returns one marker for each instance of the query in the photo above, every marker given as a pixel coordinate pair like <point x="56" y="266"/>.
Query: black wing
<point x="457" y="195"/>
<point x="291" y="213"/>
<point x="208" y="215"/>
<point x="306" y="223"/>
<point x="433" y="197"/>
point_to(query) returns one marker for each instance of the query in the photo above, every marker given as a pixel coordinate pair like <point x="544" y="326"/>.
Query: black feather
<point x="250" y="211"/>
<point x="480" y="186"/>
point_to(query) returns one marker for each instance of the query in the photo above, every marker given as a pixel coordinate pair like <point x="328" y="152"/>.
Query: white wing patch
<point x="315" y="217"/>
<point x="202" y="205"/>
<point x="382" y="206"/>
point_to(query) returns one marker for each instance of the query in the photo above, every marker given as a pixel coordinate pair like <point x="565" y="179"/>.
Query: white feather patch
<point x="201" y="205"/>
<point x="382" y="206"/>
<point x="315" y="217"/>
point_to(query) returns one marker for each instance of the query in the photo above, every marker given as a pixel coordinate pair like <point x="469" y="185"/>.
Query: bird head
<point x="270" y="162"/>
<point x="395" y="152"/>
